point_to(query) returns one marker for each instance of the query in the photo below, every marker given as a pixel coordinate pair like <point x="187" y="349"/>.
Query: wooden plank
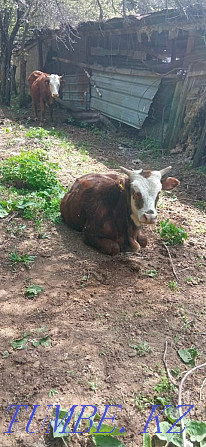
<point x="137" y="54"/>
<point x="125" y="71"/>
<point x="176" y="113"/>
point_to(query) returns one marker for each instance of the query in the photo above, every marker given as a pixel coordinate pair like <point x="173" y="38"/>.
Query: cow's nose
<point x="55" y="95"/>
<point x="150" y="217"/>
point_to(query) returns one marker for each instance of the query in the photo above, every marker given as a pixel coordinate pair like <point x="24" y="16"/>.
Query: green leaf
<point x="146" y="440"/>
<point x="3" y="213"/>
<point x="151" y="273"/>
<point x="60" y="423"/>
<point x="5" y="354"/>
<point x="45" y="341"/>
<point x="172" y="414"/>
<point x="35" y="343"/>
<point x="33" y="290"/>
<point x="53" y="392"/>
<point x="19" y="343"/>
<point x="196" y="430"/>
<point x="188" y="356"/>
<point x="107" y="441"/>
<point x="176" y="439"/>
<point x="105" y="430"/>
<point x="203" y="443"/>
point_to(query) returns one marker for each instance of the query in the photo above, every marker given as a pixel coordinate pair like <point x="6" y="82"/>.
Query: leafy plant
<point x="93" y="386"/>
<point x="53" y="392"/>
<point x="171" y="234"/>
<point x="33" y="290"/>
<point x="173" y="286"/>
<point x="20" y="343"/>
<point x="25" y="259"/>
<point x="151" y="273"/>
<point x="142" y="402"/>
<point x="30" y="170"/>
<point x="142" y="348"/>
<point x="188" y="356"/>
<point x="37" y="132"/>
<point x="164" y="385"/>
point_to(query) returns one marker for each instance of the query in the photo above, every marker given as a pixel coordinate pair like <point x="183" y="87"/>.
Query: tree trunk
<point x="22" y="96"/>
<point x="6" y="78"/>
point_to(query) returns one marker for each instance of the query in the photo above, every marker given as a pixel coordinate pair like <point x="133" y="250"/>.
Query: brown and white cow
<point x="44" y="88"/>
<point x="111" y="209"/>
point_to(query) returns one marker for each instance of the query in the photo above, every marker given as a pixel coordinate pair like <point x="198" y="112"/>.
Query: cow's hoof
<point x="134" y="245"/>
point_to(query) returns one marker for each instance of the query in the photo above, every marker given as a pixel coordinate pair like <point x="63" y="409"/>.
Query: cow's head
<point x="145" y="188"/>
<point x="54" y="84"/>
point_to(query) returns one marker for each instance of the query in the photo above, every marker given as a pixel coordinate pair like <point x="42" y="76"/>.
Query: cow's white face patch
<point x="54" y="84"/>
<point x="145" y="188"/>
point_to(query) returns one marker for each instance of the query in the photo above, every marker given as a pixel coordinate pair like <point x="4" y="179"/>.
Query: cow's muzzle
<point x="149" y="217"/>
<point x="55" y="95"/>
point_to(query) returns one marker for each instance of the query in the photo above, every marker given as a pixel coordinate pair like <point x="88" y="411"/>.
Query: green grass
<point x="30" y="170"/>
<point x="36" y="190"/>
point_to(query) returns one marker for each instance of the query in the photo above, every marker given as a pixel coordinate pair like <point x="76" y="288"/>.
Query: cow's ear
<point x="170" y="183"/>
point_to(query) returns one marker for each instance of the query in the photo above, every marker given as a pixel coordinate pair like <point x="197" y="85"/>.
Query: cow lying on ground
<point x="44" y="88"/>
<point x="111" y="209"/>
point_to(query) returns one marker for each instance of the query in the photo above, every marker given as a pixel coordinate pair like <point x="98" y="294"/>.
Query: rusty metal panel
<point x="126" y="98"/>
<point x="75" y="95"/>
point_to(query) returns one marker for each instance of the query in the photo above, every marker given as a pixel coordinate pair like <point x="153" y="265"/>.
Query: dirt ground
<point x="95" y="307"/>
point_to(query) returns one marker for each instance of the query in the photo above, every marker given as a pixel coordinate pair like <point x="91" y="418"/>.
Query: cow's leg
<point x="104" y="244"/>
<point x="138" y="239"/>
<point x="34" y="105"/>
<point x="42" y="107"/>
<point x="51" y="112"/>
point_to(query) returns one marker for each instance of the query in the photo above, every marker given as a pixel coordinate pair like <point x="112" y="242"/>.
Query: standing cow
<point x="110" y="209"/>
<point x="44" y="89"/>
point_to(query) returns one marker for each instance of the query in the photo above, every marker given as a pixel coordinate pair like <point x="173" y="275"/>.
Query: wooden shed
<point x="145" y="70"/>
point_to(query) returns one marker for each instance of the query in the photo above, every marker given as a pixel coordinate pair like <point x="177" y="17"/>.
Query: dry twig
<point x="170" y="258"/>
<point x="203" y="383"/>
<point x="166" y="367"/>
<point x="180" y="399"/>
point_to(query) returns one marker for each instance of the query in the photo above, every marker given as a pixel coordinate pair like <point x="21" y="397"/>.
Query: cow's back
<point x="39" y="88"/>
<point x="97" y="198"/>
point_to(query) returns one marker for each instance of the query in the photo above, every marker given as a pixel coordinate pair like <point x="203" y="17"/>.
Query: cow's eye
<point x="138" y="200"/>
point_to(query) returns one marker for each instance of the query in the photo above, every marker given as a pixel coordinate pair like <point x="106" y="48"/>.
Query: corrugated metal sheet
<point x="126" y="98"/>
<point x="76" y="92"/>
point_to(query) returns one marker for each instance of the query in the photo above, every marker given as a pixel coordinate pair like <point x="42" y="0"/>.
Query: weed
<point x="30" y="170"/>
<point x="37" y="132"/>
<point x="171" y="234"/>
<point x="142" y="348"/>
<point x="25" y="259"/>
<point x="151" y="273"/>
<point x="33" y="290"/>
<point x="142" y="402"/>
<point x="173" y="286"/>
<point x="53" y="392"/>
<point x="93" y="386"/>
<point x="151" y="144"/>
<point x="201" y="205"/>
<point x="164" y="386"/>
<point x="111" y="164"/>
<point x="176" y="372"/>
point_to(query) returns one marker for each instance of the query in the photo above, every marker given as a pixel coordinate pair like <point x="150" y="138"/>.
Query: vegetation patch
<point x="172" y="234"/>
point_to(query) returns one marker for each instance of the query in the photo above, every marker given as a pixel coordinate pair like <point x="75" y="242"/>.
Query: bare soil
<point x="94" y="306"/>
